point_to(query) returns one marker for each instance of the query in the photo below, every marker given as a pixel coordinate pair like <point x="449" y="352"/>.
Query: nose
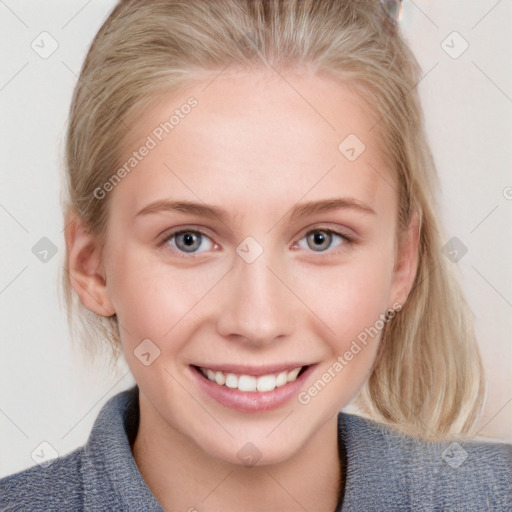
<point x="257" y="307"/>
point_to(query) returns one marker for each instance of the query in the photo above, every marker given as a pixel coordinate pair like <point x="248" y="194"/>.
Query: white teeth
<point x="231" y="380"/>
<point x="292" y="375"/>
<point x="266" y="383"/>
<point x="249" y="382"/>
<point x="246" y="383"/>
<point x="281" y="379"/>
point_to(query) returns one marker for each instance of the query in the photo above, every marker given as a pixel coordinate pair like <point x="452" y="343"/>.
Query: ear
<point x="84" y="264"/>
<point x="406" y="261"/>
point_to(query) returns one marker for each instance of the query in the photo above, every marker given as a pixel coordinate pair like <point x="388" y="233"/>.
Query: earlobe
<point x="406" y="264"/>
<point x="84" y="265"/>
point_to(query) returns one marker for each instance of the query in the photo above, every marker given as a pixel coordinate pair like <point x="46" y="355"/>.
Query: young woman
<point x="250" y="221"/>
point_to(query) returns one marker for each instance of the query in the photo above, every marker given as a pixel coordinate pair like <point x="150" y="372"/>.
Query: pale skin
<point x="254" y="148"/>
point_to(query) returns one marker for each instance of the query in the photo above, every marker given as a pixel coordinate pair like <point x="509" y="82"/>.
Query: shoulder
<point x="421" y="475"/>
<point x="54" y="486"/>
<point x="101" y="475"/>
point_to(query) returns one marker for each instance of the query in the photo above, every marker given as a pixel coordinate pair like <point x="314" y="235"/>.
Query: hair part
<point x="427" y="379"/>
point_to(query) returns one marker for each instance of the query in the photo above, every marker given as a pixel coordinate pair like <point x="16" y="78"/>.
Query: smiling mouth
<point x="251" y="383"/>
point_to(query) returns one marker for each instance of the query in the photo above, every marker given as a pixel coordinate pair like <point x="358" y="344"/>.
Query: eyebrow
<point x="298" y="211"/>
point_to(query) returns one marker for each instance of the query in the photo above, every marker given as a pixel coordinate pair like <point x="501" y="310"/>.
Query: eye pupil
<point x="188" y="240"/>
<point x="321" y="240"/>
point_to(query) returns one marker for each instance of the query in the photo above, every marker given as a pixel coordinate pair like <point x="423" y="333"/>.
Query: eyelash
<point x="345" y="240"/>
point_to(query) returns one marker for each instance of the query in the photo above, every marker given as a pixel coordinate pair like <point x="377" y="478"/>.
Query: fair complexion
<point x="254" y="150"/>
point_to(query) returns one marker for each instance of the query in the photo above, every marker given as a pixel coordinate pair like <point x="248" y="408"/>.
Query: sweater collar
<point x="109" y="465"/>
<point x="110" y="469"/>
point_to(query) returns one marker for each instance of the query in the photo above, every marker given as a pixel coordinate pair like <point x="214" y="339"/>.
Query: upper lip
<point x="241" y="369"/>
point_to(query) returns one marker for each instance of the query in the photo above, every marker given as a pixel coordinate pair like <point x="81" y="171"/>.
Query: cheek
<point x="353" y="308"/>
<point x="351" y="297"/>
<point x="151" y="298"/>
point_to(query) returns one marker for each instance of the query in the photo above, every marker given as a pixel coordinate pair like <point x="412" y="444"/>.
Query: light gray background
<point x="46" y="392"/>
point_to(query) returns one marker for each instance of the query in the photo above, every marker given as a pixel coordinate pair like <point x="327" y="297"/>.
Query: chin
<point x="257" y="445"/>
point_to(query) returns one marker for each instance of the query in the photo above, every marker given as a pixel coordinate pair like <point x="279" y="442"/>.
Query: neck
<point x="184" y="477"/>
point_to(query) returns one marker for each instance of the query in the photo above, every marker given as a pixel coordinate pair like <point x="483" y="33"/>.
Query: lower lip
<point x="251" y="401"/>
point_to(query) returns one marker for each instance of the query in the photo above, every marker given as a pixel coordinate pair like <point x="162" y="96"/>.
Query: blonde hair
<point x="427" y="379"/>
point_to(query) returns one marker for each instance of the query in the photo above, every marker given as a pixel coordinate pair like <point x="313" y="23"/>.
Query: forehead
<point x="276" y="135"/>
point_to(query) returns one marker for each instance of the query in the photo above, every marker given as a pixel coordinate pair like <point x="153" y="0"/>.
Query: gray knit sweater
<point x="385" y="471"/>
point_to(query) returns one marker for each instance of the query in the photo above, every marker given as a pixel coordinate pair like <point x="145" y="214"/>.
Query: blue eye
<point x="191" y="242"/>
<point x="319" y="240"/>
<point x="188" y="241"/>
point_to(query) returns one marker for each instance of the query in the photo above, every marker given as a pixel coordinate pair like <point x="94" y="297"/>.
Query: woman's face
<point x="255" y="236"/>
